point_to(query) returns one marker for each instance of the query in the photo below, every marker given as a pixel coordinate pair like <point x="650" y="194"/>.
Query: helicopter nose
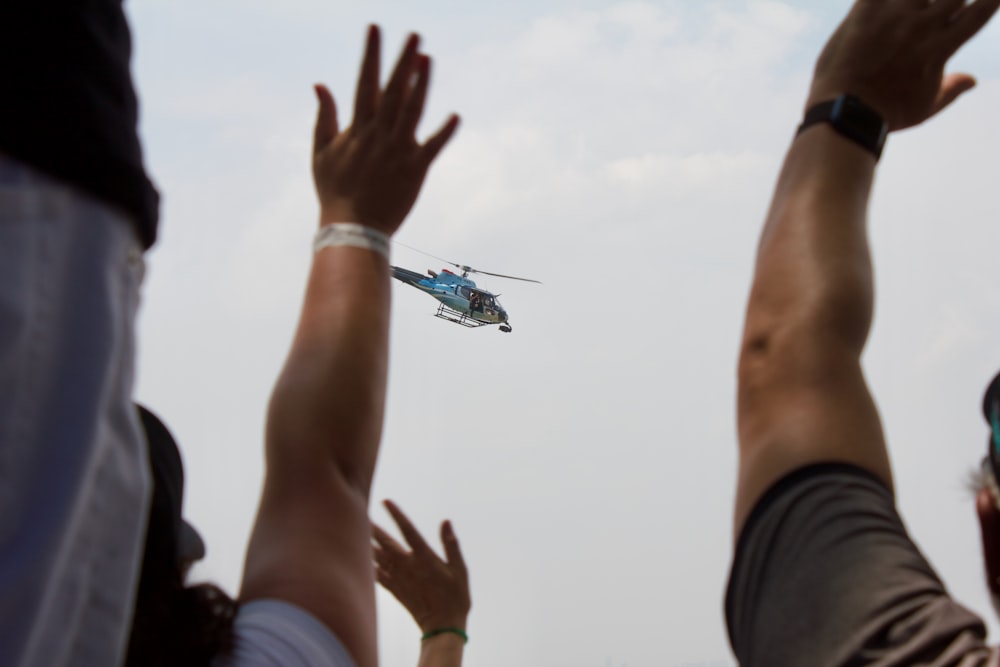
<point x="503" y="315"/>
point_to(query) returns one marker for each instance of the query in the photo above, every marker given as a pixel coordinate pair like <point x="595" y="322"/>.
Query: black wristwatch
<point x="852" y="118"/>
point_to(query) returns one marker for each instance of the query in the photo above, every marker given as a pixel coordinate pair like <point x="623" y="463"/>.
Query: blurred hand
<point x="434" y="591"/>
<point x="371" y="173"/>
<point x="892" y="54"/>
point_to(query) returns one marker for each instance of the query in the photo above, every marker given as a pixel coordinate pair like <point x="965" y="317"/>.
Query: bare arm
<point x="434" y="591"/>
<point x="802" y="394"/>
<point x="311" y="540"/>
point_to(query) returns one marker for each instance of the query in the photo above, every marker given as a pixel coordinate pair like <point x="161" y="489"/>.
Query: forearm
<point x="802" y="394"/>
<point x="813" y="272"/>
<point x="328" y="402"/>
<point x="444" y="650"/>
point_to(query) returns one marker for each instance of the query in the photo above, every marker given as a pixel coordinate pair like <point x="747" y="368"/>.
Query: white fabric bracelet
<point x="351" y="234"/>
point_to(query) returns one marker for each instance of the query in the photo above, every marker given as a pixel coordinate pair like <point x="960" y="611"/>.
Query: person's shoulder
<point x="813" y="480"/>
<point x="829" y="537"/>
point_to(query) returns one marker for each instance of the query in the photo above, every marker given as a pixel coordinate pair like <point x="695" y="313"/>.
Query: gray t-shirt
<point x="825" y="574"/>
<point x="273" y="633"/>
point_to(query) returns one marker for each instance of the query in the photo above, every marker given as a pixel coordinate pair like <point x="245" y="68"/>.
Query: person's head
<point x="173" y="624"/>
<point x="988" y="493"/>
<point x="170" y="540"/>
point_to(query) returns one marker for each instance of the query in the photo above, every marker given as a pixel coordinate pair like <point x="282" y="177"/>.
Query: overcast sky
<point x="623" y="153"/>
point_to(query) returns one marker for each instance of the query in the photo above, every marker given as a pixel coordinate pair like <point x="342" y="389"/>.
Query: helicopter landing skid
<point x="458" y="317"/>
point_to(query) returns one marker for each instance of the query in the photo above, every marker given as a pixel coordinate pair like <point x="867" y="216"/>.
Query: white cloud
<point x="698" y="174"/>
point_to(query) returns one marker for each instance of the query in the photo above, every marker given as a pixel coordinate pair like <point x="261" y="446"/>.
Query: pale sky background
<point x="623" y="153"/>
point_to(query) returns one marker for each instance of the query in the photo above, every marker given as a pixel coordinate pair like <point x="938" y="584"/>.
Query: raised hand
<point x="434" y="591"/>
<point x="311" y="545"/>
<point x="371" y="172"/>
<point x="892" y="54"/>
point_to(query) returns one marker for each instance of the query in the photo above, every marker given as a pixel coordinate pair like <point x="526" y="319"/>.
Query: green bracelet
<point x="455" y="631"/>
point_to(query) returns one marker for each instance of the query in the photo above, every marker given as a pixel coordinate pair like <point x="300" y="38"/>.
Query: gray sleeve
<point x="273" y="633"/>
<point x="825" y="574"/>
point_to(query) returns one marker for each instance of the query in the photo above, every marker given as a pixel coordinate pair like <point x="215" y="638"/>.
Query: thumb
<point x="326" y="118"/>
<point x="952" y="87"/>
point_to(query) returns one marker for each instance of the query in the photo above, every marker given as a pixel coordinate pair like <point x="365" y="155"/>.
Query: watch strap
<point x="817" y="113"/>
<point x="851" y="118"/>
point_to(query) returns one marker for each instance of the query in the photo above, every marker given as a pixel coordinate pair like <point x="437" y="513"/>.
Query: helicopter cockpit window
<point x="489" y="302"/>
<point x="465" y="291"/>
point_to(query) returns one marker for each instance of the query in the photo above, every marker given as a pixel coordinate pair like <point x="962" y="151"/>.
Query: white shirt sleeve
<point x="273" y="633"/>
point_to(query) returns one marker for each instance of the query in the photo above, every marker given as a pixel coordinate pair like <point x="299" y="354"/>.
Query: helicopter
<point x="461" y="301"/>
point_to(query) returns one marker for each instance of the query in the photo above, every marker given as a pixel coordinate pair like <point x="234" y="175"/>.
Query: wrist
<point x="443" y="621"/>
<point x="343" y="212"/>
<point x="351" y="234"/>
<point x="445" y="634"/>
<point x="823" y="91"/>
<point x="851" y="118"/>
<point x="334" y="209"/>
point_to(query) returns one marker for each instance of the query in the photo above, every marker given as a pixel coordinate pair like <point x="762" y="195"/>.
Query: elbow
<point x="788" y="351"/>
<point x="797" y="324"/>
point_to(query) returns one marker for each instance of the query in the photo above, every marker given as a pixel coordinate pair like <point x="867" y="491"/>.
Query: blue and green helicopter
<point x="461" y="301"/>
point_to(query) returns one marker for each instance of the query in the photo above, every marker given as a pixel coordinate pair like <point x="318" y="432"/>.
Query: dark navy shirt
<point x="67" y="106"/>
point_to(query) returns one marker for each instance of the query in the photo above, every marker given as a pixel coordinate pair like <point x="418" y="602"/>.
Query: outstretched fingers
<point x="384" y="541"/>
<point x="326" y="118"/>
<point x="413" y="106"/>
<point x="944" y="10"/>
<point x="964" y="22"/>
<point x="433" y="146"/>
<point x="387" y="553"/>
<point x="452" y="551"/>
<point x="409" y="531"/>
<point x="374" y="170"/>
<point x="366" y="99"/>
<point x="397" y="89"/>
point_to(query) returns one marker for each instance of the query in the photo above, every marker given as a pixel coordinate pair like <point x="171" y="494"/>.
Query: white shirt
<point x="273" y="633"/>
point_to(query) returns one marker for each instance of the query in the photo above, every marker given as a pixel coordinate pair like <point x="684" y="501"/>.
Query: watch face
<point x="861" y="123"/>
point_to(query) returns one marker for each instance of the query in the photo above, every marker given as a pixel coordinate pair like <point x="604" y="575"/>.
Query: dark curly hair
<point x="176" y="624"/>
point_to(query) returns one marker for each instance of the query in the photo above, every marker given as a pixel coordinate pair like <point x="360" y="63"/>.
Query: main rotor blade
<point x="440" y="259"/>
<point x="500" y="275"/>
<point x="464" y="268"/>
